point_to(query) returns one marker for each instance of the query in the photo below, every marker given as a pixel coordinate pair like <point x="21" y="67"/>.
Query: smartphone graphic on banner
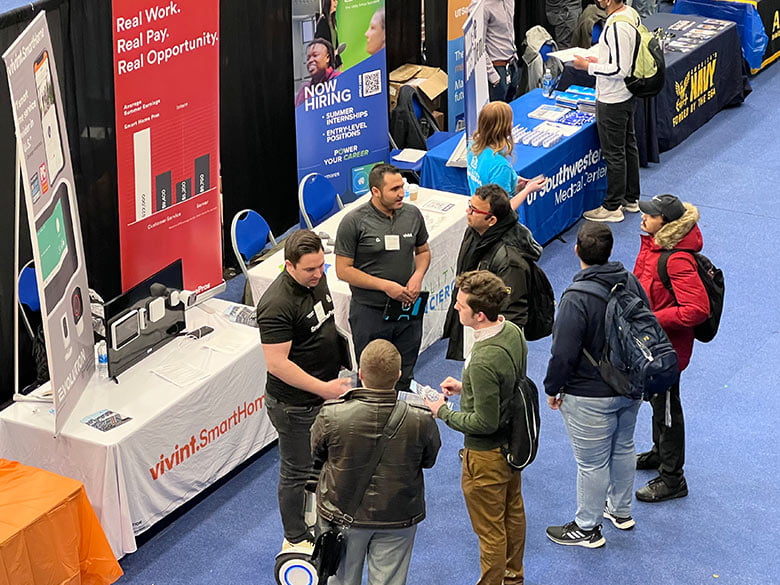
<point x="57" y="245"/>
<point x="44" y="85"/>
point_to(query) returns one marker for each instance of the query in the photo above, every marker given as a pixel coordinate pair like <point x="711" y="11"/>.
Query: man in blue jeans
<point x="298" y="333"/>
<point x="600" y="422"/>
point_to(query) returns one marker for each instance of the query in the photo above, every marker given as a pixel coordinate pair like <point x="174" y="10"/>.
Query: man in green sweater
<point x="491" y="488"/>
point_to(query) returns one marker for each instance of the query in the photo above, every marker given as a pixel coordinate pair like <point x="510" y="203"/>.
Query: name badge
<point x="319" y="312"/>
<point x="392" y="242"/>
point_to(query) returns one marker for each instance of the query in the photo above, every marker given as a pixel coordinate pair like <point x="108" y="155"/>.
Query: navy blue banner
<point x="341" y="96"/>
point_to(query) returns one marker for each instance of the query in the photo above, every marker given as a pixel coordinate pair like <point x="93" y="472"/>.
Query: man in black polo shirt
<point x="299" y="337"/>
<point x="382" y="252"/>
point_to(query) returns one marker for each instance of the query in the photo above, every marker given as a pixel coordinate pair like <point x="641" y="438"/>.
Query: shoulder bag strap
<point x="394" y="422"/>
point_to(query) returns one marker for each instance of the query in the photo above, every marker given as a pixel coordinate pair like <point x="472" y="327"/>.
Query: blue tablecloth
<point x="698" y="85"/>
<point x="755" y="21"/>
<point x="574" y="167"/>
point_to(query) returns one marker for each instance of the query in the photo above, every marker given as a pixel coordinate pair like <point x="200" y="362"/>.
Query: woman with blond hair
<point x="490" y="152"/>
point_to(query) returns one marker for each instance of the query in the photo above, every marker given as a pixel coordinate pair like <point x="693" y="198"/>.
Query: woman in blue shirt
<point x="489" y="155"/>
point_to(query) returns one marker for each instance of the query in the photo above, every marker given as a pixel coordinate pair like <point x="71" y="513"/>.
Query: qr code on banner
<point x="371" y="83"/>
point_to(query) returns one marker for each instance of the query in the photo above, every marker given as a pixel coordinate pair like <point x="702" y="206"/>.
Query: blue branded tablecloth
<point x="699" y="83"/>
<point x="574" y="167"/>
<point x="756" y="20"/>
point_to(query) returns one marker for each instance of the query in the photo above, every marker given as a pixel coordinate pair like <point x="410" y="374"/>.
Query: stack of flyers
<point x="105" y="420"/>
<point x="582" y="90"/>
<point x="682" y="25"/>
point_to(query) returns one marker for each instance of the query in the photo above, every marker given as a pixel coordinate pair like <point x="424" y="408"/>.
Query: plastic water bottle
<point x="547" y="83"/>
<point x="406" y="189"/>
<point x="102" y="359"/>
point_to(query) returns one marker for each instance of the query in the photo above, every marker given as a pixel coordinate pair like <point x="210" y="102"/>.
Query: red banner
<point x="166" y="81"/>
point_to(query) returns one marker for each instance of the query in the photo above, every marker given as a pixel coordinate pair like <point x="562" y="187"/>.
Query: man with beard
<point x="494" y="241"/>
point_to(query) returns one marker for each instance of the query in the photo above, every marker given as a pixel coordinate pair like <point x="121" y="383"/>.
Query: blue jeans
<point x="293" y="423"/>
<point x="601" y="431"/>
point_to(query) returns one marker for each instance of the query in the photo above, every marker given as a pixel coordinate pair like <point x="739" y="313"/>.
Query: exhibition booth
<point x="135" y="131"/>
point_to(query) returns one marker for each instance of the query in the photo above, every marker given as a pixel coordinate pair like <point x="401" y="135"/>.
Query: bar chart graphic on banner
<point x="158" y="192"/>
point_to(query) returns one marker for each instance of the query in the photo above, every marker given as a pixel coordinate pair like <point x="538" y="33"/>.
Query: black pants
<point x="367" y="324"/>
<point x="615" y="124"/>
<point x="293" y="424"/>
<point x="669" y="442"/>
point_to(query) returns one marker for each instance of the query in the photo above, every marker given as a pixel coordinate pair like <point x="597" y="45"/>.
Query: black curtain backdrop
<point x="258" y="153"/>
<point x="257" y="136"/>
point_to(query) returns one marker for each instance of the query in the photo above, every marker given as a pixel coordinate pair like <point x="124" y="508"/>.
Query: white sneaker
<point x="632" y="207"/>
<point x="305" y="547"/>
<point x="604" y="215"/>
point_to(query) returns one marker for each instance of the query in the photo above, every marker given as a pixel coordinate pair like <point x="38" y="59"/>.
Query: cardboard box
<point x="439" y="117"/>
<point x="430" y="81"/>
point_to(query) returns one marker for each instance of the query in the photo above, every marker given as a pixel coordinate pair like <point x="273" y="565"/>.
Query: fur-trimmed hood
<point x="672" y="233"/>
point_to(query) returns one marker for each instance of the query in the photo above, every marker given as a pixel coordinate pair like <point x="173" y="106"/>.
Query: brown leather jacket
<point x="343" y="438"/>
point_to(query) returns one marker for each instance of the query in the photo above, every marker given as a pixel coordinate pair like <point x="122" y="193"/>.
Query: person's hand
<point x="397" y="292"/>
<point x="581" y="62"/>
<point x="521" y="183"/>
<point x="435" y="405"/>
<point x="414" y="286"/>
<point x="534" y="184"/>
<point x="554" y="402"/>
<point x="451" y="386"/>
<point x="336" y="388"/>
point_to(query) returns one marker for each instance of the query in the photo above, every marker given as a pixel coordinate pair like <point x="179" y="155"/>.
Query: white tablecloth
<point x="445" y="229"/>
<point x="180" y="439"/>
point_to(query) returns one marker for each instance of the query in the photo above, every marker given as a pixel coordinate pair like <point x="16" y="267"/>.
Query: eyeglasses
<point x="471" y="210"/>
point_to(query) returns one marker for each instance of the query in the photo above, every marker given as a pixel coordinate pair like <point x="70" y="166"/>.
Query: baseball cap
<point x="669" y="206"/>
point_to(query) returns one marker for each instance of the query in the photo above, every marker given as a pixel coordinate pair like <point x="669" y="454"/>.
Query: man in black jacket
<point x="494" y="241"/>
<point x="600" y="422"/>
<point x="343" y="439"/>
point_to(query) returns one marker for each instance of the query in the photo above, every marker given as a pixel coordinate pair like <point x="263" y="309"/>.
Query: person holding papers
<point x="489" y="154"/>
<point x="615" y="110"/>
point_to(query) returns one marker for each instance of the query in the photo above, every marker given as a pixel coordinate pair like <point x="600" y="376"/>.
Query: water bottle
<point x="406" y="188"/>
<point x="547" y="83"/>
<point x="102" y="359"/>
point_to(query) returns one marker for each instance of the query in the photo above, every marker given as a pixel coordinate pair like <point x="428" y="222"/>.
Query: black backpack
<point x="713" y="281"/>
<point x="637" y="360"/>
<point x="522" y="423"/>
<point x="541" y="303"/>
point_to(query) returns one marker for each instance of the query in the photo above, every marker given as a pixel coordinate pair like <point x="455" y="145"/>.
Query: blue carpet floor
<point x="724" y="533"/>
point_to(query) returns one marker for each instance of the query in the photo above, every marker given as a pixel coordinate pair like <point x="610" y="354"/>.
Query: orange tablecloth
<point x="49" y="534"/>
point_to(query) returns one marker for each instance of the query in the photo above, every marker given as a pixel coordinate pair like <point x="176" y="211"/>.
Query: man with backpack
<point x="495" y="241"/>
<point x="599" y="420"/>
<point x="615" y="110"/>
<point x="680" y="306"/>
<point x="496" y="367"/>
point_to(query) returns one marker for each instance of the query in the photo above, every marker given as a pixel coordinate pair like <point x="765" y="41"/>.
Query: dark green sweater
<point x="489" y="379"/>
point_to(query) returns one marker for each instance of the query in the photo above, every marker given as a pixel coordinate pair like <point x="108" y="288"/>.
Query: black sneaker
<point x="572" y="535"/>
<point x="648" y="460"/>
<point x="657" y="490"/>
<point x="620" y="522"/>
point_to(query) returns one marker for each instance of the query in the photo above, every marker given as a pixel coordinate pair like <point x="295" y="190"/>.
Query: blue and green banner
<point x="457" y="12"/>
<point x="341" y="91"/>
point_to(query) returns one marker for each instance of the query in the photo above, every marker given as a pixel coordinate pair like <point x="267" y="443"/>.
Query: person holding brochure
<point x="382" y="253"/>
<point x="492" y="489"/>
<point x="298" y="333"/>
<point x="489" y="153"/>
<point x="615" y="110"/>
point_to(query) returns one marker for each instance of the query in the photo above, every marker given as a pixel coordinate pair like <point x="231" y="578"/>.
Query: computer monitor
<point x="143" y="319"/>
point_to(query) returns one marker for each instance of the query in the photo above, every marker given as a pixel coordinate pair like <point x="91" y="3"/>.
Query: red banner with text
<point x="166" y="81"/>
